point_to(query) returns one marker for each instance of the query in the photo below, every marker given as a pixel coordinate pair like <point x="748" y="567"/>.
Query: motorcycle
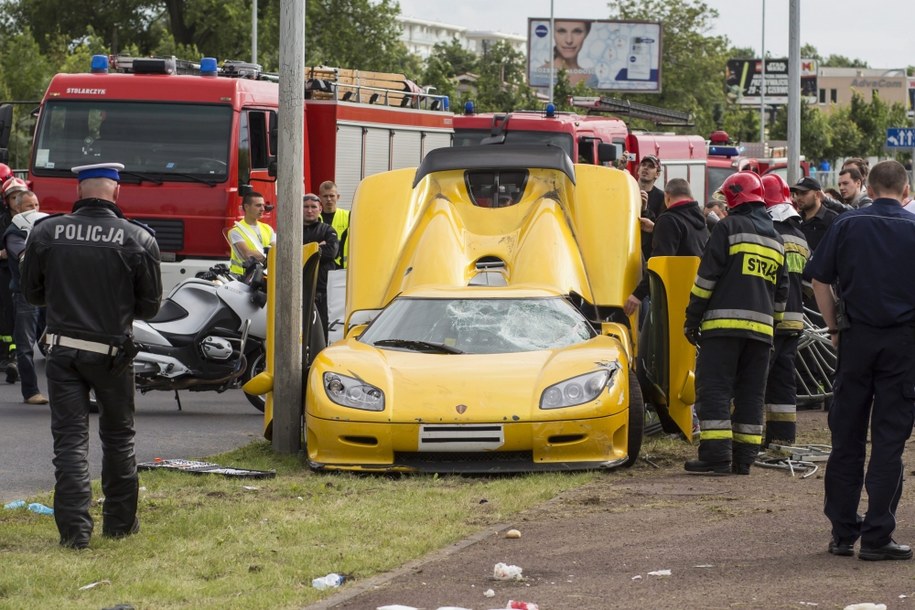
<point x="209" y="335"/>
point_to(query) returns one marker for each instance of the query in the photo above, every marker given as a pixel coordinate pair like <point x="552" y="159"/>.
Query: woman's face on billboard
<point x="569" y="37"/>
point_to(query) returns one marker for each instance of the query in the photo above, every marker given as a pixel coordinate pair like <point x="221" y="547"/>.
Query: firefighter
<point x="781" y="389"/>
<point x="739" y="295"/>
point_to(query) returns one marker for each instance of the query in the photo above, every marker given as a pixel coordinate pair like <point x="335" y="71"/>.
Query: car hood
<point x="452" y="388"/>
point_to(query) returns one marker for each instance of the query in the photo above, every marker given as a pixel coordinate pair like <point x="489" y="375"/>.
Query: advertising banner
<point x="744" y="81"/>
<point x="605" y="55"/>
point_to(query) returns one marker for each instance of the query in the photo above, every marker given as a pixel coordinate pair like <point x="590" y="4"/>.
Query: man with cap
<point x="95" y="271"/>
<point x="739" y="295"/>
<point x="781" y="388"/>
<point x="807" y="195"/>
<point x="652" y="198"/>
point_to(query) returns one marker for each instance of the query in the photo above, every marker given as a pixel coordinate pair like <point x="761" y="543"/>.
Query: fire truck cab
<point x="726" y="158"/>
<point x="195" y="137"/>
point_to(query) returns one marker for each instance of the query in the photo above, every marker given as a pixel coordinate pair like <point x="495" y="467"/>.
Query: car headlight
<point x="577" y="390"/>
<point x="354" y="393"/>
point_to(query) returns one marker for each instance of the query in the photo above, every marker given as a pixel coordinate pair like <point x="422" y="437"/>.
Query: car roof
<point x="522" y="291"/>
<point x="495" y="157"/>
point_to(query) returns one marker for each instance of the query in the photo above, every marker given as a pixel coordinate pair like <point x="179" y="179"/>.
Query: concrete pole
<point x="253" y="31"/>
<point x="287" y="386"/>
<point x="762" y="85"/>
<point x="794" y="91"/>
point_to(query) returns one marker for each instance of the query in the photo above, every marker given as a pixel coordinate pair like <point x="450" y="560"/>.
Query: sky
<point x="883" y="37"/>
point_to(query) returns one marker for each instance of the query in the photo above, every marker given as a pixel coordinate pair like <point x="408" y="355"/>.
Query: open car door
<point x="667" y="362"/>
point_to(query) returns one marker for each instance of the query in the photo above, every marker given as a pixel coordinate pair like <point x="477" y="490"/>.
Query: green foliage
<point x="502" y="85"/>
<point x="447" y="61"/>
<point x="692" y="64"/>
<point x="840" y="61"/>
<point x="816" y="131"/>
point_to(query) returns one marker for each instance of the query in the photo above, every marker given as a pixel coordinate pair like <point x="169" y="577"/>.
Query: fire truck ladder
<point x="659" y="116"/>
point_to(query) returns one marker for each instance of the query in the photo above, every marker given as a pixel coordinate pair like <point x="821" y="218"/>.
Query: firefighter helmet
<point x="742" y="187"/>
<point x="5" y="173"/>
<point x="775" y="190"/>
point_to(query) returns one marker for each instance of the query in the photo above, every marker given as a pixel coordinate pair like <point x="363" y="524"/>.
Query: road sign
<point x="900" y="137"/>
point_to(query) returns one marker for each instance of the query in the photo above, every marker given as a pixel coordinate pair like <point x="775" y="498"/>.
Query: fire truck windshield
<point x="473" y="137"/>
<point x="170" y="142"/>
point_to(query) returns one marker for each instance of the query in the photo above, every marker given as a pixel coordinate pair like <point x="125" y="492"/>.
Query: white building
<point x="421" y="36"/>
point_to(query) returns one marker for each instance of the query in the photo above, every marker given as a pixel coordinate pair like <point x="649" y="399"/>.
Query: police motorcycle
<point x="209" y="335"/>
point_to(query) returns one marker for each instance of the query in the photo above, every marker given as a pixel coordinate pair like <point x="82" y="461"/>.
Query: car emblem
<point x="460" y="409"/>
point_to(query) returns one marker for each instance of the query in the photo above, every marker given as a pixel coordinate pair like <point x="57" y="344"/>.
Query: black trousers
<point x="726" y="368"/>
<point x="781" y="390"/>
<point x="71" y="375"/>
<point x="875" y="381"/>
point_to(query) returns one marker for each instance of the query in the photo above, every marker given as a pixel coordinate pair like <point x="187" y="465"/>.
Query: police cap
<point x="98" y="170"/>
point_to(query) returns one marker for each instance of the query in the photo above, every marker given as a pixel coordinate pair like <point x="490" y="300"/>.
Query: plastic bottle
<point x="331" y="581"/>
<point x="40" y="509"/>
<point x="15" y="504"/>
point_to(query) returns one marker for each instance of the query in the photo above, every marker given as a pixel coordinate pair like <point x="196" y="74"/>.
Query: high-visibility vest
<point x="340" y="223"/>
<point x="257" y="239"/>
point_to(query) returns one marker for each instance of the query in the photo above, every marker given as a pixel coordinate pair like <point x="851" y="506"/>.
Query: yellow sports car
<point x="474" y="379"/>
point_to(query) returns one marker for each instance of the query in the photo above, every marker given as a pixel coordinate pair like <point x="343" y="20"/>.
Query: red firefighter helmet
<point x="742" y="187"/>
<point x="5" y="173"/>
<point x="775" y="190"/>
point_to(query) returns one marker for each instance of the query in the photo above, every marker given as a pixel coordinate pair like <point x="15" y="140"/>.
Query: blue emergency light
<point x="723" y="151"/>
<point x="468" y="107"/>
<point x="550" y="111"/>
<point x="208" y="66"/>
<point x="99" y="64"/>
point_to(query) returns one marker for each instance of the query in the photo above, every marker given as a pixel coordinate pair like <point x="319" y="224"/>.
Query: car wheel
<point x="636" y="420"/>
<point x="257" y="362"/>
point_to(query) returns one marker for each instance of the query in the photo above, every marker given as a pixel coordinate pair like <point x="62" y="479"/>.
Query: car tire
<point x="256" y="363"/>
<point x="636" y="421"/>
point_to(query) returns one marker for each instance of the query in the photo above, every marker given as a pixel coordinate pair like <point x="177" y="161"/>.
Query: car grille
<point x="169" y="233"/>
<point x="460" y="437"/>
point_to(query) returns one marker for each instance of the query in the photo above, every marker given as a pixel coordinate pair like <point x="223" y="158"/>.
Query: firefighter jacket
<point x="95" y="271"/>
<point x="742" y="285"/>
<point x="787" y="223"/>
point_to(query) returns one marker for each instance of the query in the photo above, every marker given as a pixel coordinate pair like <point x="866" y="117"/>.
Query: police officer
<point x="781" y="387"/>
<point x="95" y="271"/>
<point x="740" y="292"/>
<point x="875" y="378"/>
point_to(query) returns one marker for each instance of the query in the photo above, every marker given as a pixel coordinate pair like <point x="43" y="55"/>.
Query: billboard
<point x="605" y="55"/>
<point x="744" y="81"/>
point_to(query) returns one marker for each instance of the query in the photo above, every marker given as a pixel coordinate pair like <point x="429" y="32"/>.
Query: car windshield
<point x="154" y="141"/>
<point x="478" y="325"/>
<point x="473" y="137"/>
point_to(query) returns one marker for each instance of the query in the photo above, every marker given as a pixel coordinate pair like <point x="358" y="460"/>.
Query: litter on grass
<point x="195" y="467"/>
<point x="503" y="571"/>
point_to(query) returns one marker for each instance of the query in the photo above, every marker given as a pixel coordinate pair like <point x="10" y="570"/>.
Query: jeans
<point x="24" y="331"/>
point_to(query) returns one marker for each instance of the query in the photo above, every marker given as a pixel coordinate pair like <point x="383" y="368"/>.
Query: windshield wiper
<point x="418" y="346"/>
<point x="142" y="177"/>
<point x="192" y="177"/>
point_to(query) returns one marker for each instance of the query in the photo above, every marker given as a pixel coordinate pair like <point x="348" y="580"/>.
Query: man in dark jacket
<point x="95" y="271"/>
<point x="781" y="387"/>
<point x="679" y="231"/>
<point x="740" y="294"/>
<point x="314" y="230"/>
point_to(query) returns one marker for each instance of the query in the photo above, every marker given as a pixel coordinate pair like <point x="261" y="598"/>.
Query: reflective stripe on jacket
<point x="741" y="289"/>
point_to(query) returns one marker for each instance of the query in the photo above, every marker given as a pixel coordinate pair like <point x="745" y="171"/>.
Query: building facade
<point x="836" y="86"/>
<point x="421" y="36"/>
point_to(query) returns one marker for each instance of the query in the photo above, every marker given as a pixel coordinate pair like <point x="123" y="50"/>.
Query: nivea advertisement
<point x="605" y="55"/>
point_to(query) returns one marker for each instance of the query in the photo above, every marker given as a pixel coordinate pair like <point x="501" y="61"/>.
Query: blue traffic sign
<point x="900" y="137"/>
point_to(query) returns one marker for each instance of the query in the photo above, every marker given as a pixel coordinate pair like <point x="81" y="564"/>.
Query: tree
<point x="502" y="85"/>
<point x="692" y="62"/>
<point x="816" y="131"/>
<point x="447" y="61"/>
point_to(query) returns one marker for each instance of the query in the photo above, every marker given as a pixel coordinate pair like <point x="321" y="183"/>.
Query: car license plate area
<point x="460" y="437"/>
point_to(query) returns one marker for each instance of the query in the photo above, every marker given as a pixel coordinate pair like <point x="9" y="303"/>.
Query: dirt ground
<point x="755" y="541"/>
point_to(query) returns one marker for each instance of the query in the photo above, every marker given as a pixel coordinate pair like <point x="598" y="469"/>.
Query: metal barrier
<point x="815" y="368"/>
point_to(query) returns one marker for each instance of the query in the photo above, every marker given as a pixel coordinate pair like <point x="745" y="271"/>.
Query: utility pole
<point x="762" y="85"/>
<point x="253" y="31"/>
<point x="794" y="91"/>
<point x="287" y="339"/>
<point x="550" y="56"/>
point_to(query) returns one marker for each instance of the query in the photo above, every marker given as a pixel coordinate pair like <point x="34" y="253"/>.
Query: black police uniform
<point x="865" y="250"/>
<point x="740" y="292"/>
<point x="95" y="271"/>
<point x="322" y="232"/>
<point x="781" y="385"/>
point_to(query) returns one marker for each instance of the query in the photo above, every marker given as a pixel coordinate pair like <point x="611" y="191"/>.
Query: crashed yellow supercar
<point x="484" y="321"/>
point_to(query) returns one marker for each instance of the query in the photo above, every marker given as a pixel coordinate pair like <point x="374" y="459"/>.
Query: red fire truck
<point x="726" y="158"/>
<point x="599" y="140"/>
<point x="195" y="137"/>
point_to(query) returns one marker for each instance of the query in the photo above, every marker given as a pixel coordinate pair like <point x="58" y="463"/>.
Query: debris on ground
<point x="660" y="573"/>
<point x="95" y="584"/>
<point x="196" y="467"/>
<point x="331" y="581"/>
<point x="503" y="571"/>
<point x="513" y="534"/>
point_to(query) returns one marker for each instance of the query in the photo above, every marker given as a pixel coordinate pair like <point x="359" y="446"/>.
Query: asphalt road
<point x="210" y="423"/>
